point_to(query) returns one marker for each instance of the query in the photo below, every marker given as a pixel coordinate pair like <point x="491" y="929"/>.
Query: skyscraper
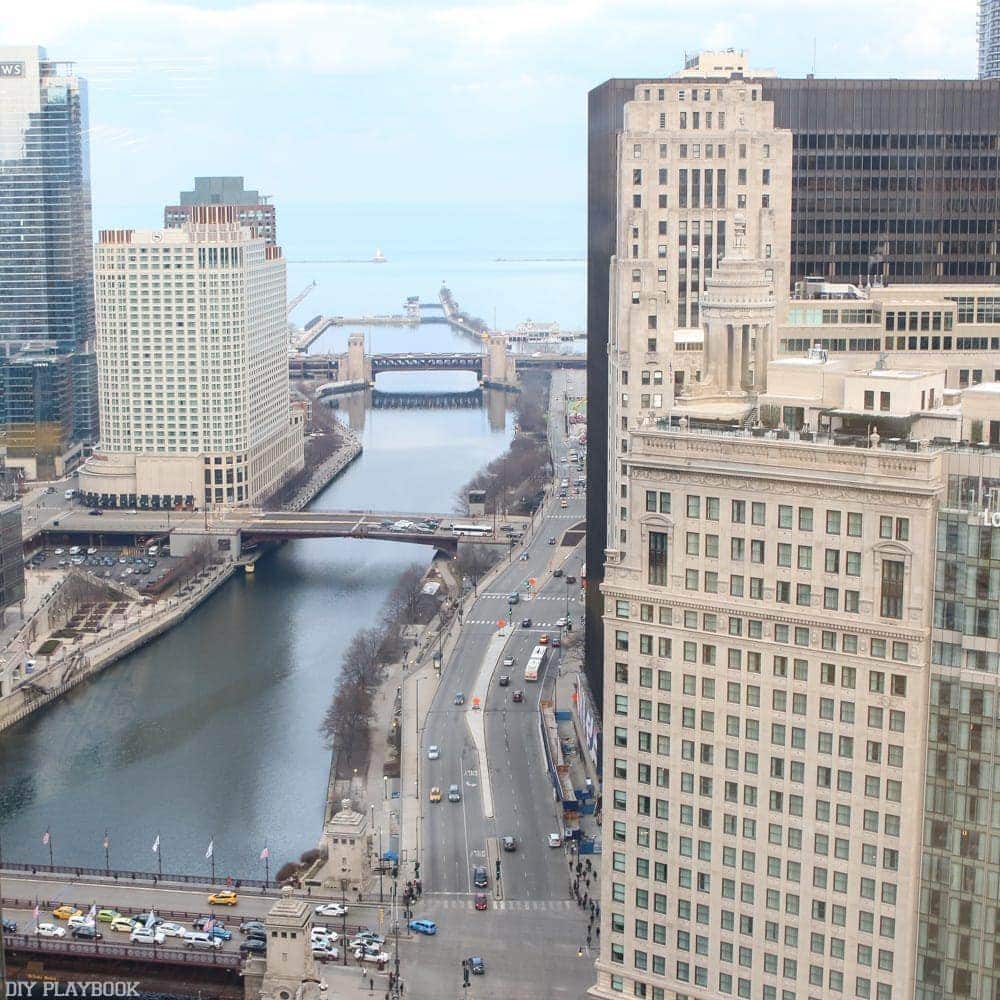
<point x="192" y="352"/>
<point x="254" y="209"/>
<point x="988" y="36"/>
<point x="46" y="252"/>
<point x="892" y="180"/>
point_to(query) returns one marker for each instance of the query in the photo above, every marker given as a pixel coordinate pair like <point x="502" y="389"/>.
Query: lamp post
<point x="381" y="898"/>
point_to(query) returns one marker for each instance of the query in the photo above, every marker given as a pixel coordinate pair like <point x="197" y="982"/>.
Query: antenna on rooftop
<point x="814" y="56"/>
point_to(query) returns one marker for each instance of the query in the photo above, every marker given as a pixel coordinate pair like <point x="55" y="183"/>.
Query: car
<point x="563" y="504"/>
<point x="197" y="939"/>
<point x="256" y="932"/>
<point x="556" y="642"/>
<point x="508" y="661"/>
<point x="524" y="557"/>
<point x="9" y="927"/>
<point x="552" y="541"/>
<point x="172" y="929"/>
<point x="363" y="955"/>
<point x="147" y="935"/>
<point x="509" y="843"/>
<point x="257" y="946"/>
<point x="504" y="680"/>
<point x="91" y="551"/>
<point x="571" y="579"/>
<point x="319" y="933"/>
<point x="459" y="698"/>
<point x="123" y="925"/>
<point x="514" y="598"/>
<point x="454" y="793"/>
<point x="481" y="903"/>
<point x="252" y="924"/>
<point x="543" y="639"/>
<point x="367" y="936"/>
<point x="525" y="623"/>
<point x="433" y="752"/>
<point x="322" y="952"/>
<point x="518" y="695"/>
<point x="87" y="932"/>
<point x="220" y="931"/>
<point x="556" y="573"/>
<point x="479" y="877"/>
<point x="555" y="840"/>
<point x="435" y="795"/>
<point x="328" y="910"/>
<point x="50" y="931"/>
<point x="78" y="920"/>
<point x="65" y="911"/>
<point x="424" y="926"/>
<point x="96" y="513"/>
<point x="477" y="966"/>
<point x="224" y="897"/>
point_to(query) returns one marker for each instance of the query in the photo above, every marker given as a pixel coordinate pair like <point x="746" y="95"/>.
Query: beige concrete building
<point x="192" y="366"/>
<point x="802" y="641"/>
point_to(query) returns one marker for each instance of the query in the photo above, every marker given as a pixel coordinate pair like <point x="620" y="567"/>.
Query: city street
<point x="533" y="901"/>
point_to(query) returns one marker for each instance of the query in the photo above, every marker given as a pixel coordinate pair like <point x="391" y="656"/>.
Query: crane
<point x="298" y="298"/>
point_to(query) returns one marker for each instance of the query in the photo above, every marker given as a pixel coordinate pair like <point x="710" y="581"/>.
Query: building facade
<point x="11" y="556"/>
<point x="192" y="354"/>
<point x="255" y="211"/>
<point x="988" y="37"/>
<point x="892" y="181"/>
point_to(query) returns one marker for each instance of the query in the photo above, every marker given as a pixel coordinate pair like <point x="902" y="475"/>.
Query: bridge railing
<point x="127" y="875"/>
<point x="121" y="952"/>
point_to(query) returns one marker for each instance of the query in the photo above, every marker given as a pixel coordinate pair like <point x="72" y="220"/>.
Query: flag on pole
<point x="106" y="843"/>
<point x="151" y="919"/>
<point x="265" y="854"/>
<point x="211" y="848"/>
<point x="45" y="836"/>
<point x="35" y="913"/>
<point x="92" y="912"/>
<point x="209" y="924"/>
<point x="156" y="845"/>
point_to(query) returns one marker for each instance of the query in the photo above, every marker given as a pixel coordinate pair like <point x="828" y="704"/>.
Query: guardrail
<point x="121" y="952"/>
<point x="123" y="875"/>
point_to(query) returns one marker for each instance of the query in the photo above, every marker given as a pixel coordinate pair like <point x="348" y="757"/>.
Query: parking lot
<point x="142" y="567"/>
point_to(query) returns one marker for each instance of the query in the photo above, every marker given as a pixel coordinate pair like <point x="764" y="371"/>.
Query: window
<point x="892" y="588"/>
<point x="658" y="554"/>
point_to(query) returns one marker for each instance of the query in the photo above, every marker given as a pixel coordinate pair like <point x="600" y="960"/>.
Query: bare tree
<point x="474" y="560"/>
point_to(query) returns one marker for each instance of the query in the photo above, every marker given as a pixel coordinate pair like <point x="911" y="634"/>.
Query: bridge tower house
<point x="289" y="970"/>
<point x="355" y="366"/>
<point x="498" y="366"/>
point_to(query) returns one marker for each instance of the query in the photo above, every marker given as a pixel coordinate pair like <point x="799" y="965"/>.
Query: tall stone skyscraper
<point x="988" y="36"/>
<point x="46" y="257"/>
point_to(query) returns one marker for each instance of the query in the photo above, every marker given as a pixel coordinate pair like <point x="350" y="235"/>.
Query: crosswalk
<point x="526" y="597"/>
<point x="439" y="901"/>
<point x="535" y="626"/>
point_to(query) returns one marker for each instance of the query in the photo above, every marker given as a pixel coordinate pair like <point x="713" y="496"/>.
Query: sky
<point x="410" y="103"/>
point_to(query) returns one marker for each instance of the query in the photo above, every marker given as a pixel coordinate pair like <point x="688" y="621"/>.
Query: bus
<point x="535" y="663"/>
<point x="475" y="530"/>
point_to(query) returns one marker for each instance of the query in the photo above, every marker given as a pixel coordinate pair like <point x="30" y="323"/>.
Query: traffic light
<point x="498" y="869"/>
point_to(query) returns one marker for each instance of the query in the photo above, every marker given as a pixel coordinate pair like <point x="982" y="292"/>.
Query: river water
<point x="211" y="732"/>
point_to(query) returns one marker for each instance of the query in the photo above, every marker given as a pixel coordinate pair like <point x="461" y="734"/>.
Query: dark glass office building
<point x="896" y="178"/>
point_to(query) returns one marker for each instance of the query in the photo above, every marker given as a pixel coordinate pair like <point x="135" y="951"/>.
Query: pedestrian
<point x="371" y="984"/>
<point x="588" y="939"/>
<point x="309" y="890"/>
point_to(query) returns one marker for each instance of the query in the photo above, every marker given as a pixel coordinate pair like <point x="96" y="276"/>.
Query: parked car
<point x="481" y="903"/>
<point x="454" y="793"/>
<point x="331" y="910"/>
<point x="172" y="929"/>
<point x="318" y="933"/>
<point x="50" y="931"/>
<point x="324" y="953"/>
<point x="220" y="931"/>
<point x="366" y="939"/>
<point x="78" y="920"/>
<point x="256" y="946"/>
<point x="254" y="925"/>
<point x="122" y="924"/>
<point x="9" y="926"/>
<point x="87" y="932"/>
<point x="202" y="941"/>
<point x="379" y="957"/>
<point x="64" y="912"/>
<point x="424" y="926"/>
<point x="433" y="752"/>
<point x="224" y="897"/>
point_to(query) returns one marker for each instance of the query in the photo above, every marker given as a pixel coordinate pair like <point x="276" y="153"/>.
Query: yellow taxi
<point x="543" y="639"/>
<point x="435" y="794"/>
<point x="224" y="897"/>
<point x="64" y="912"/>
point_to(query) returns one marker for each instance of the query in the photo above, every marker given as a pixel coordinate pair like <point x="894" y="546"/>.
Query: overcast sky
<point x="403" y="101"/>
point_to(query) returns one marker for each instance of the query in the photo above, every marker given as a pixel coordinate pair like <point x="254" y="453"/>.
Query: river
<point x="211" y="733"/>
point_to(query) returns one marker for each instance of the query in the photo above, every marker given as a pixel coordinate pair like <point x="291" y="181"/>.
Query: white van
<point x="69" y="494"/>
<point x="198" y="939"/>
<point x="75" y="550"/>
<point x="152" y="551"/>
